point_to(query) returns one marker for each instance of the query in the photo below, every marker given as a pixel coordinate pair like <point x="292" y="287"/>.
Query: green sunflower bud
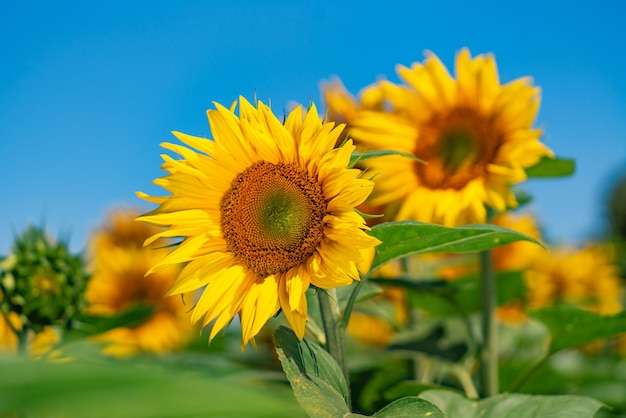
<point x="42" y="281"/>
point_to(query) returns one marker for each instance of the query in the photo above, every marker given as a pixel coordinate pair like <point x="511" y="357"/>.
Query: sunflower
<point x="585" y="277"/>
<point x="265" y="210"/>
<point x="39" y="344"/>
<point x="475" y="135"/>
<point x="119" y="282"/>
<point x="342" y="107"/>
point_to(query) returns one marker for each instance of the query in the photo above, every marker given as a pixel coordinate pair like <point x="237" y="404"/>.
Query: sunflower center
<point x="272" y="217"/>
<point x="458" y="150"/>
<point x="458" y="146"/>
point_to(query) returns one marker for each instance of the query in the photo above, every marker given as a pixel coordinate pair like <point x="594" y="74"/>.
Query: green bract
<point x="41" y="281"/>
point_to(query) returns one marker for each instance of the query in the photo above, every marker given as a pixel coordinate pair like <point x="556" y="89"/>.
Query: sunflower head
<point x="518" y="255"/>
<point x="265" y="210"/>
<point x="584" y="277"/>
<point x="41" y="281"/>
<point x="474" y="133"/>
<point x="119" y="263"/>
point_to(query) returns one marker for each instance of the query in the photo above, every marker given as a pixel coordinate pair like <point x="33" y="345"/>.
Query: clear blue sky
<point x="88" y="90"/>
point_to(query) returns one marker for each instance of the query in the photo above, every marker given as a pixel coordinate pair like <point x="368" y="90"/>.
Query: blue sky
<point x="88" y="90"/>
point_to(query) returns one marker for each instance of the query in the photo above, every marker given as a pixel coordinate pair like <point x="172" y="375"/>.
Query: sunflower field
<point x="371" y="255"/>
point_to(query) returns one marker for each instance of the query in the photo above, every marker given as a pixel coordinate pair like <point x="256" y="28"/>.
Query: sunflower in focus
<point x="119" y="263"/>
<point x="474" y="133"/>
<point x="266" y="210"/>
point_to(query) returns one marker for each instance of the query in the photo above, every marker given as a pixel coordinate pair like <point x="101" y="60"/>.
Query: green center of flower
<point x="272" y="217"/>
<point x="457" y="146"/>
<point x="458" y="150"/>
<point x="284" y="213"/>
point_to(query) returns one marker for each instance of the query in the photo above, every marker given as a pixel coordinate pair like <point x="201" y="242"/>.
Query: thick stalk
<point x="489" y="354"/>
<point x="335" y="334"/>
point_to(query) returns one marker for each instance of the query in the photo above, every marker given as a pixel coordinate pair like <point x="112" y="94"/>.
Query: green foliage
<point x="408" y="407"/>
<point x="402" y="239"/>
<point x="357" y="157"/>
<point x="102" y="387"/>
<point x="42" y="281"/>
<point x="552" y="167"/>
<point x="513" y="405"/>
<point x="570" y="326"/>
<point x="445" y="298"/>
<point x="316" y="379"/>
<point x="86" y="324"/>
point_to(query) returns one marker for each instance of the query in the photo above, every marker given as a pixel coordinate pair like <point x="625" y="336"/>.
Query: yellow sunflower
<point x="119" y="263"/>
<point x="584" y="277"/>
<point x="266" y="209"/>
<point x="39" y="344"/>
<point x="517" y="255"/>
<point x="342" y="107"/>
<point x="475" y="135"/>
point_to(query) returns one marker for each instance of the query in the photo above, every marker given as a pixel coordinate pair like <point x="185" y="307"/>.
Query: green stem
<point x="351" y="301"/>
<point x="335" y="333"/>
<point x="22" y="341"/>
<point x="489" y="354"/>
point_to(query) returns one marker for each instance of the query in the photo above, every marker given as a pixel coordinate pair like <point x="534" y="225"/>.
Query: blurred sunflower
<point x="475" y="135"/>
<point x="584" y="277"/>
<point x="266" y="209"/>
<point x="517" y="255"/>
<point x="342" y="107"/>
<point x="38" y="344"/>
<point x="119" y="263"/>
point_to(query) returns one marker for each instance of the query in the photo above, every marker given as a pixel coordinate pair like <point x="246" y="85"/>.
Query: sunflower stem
<point x="335" y="333"/>
<point x="351" y="301"/>
<point x="22" y="341"/>
<point x="489" y="353"/>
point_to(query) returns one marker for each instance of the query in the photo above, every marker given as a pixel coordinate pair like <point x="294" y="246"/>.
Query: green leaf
<point x="401" y="239"/>
<point x="409" y="407"/>
<point x="357" y="157"/>
<point x="571" y="326"/>
<point x="431" y="344"/>
<point x="408" y="388"/>
<point x="102" y="387"/>
<point x="371" y="395"/>
<point x="514" y="405"/>
<point x="522" y="197"/>
<point x="552" y="167"/>
<point x="444" y="298"/>
<point x="316" y="379"/>
<point x="96" y="324"/>
<point x="368" y="215"/>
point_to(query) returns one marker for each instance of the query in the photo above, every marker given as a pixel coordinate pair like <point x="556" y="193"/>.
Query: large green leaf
<point x="401" y="239"/>
<point x="315" y="377"/>
<point x="552" y="167"/>
<point x="103" y="387"/>
<point x="571" y="326"/>
<point x="513" y="406"/>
